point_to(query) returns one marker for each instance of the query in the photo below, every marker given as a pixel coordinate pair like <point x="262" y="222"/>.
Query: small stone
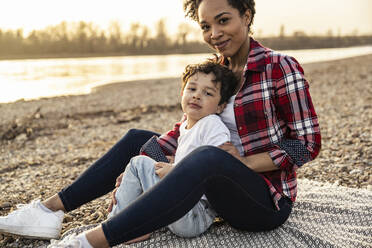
<point x="86" y="222"/>
<point x="5" y="205"/>
<point x="21" y="137"/>
<point x="355" y="171"/>
<point x="94" y="216"/>
<point x="68" y="218"/>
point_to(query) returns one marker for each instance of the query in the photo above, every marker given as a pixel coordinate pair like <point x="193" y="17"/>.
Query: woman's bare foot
<point x="142" y="238"/>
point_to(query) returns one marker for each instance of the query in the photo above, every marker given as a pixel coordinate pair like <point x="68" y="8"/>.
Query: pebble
<point x="5" y="205"/>
<point x="355" y="171"/>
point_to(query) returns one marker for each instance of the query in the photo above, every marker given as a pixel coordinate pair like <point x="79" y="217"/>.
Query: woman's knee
<point x="130" y="138"/>
<point x="134" y="139"/>
<point x="140" y="134"/>
<point x="133" y="132"/>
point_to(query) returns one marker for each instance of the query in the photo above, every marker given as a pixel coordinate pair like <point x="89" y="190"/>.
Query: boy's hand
<point x="162" y="169"/>
<point x="113" y="199"/>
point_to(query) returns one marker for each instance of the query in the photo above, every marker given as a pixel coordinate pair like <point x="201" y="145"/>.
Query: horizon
<point x="310" y="18"/>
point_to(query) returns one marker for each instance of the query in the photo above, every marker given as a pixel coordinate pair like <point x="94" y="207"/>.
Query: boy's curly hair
<point x="191" y="8"/>
<point x="221" y="74"/>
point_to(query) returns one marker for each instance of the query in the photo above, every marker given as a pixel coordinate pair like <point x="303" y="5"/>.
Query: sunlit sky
<point x="313" y="17"/>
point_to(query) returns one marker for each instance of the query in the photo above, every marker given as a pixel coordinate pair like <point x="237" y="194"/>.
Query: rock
<point x="68" y="218"/>
<point x="21" y="137"/>
<point x="355" y="171"/>
<point x="337" y="182"/>
<point x="5" y="205"/>
<point x="94" y="216"/>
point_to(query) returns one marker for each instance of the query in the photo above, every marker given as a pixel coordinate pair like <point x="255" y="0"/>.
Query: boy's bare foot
<point x="142" y="238"/>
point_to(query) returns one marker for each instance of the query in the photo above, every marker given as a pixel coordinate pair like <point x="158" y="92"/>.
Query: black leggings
<point x="236" y="193"/>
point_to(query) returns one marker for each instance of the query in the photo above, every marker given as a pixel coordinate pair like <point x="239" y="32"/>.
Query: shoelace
<point x="22" y="207"/>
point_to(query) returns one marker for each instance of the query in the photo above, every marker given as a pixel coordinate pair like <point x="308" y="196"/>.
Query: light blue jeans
<point x="139" y="176"/>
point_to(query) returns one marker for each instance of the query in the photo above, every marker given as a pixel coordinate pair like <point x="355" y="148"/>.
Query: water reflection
<point x="30" y="79"/>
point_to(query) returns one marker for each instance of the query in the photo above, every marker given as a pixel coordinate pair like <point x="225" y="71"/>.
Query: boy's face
<point x="200" y="97"/>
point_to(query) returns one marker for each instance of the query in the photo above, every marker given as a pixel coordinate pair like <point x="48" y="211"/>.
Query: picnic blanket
<point x="324" y="215"/>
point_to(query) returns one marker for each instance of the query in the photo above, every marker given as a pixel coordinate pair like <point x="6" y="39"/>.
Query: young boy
<point x="206" y="88"/>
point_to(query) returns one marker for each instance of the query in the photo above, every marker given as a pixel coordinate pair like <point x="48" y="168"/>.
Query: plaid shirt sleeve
<point x="295" y="106"/>
<point x="168" y="141"/>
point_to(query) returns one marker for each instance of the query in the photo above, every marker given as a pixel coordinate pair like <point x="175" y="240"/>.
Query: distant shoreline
<point x="116" y="54"/>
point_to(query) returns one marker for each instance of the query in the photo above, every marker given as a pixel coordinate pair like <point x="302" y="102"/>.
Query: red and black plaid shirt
<point x="274" y="114"/>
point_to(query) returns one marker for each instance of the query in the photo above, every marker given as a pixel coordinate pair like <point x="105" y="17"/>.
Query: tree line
<point x="84" y="38"/>
<point x="87" y="39"/>
<point x="300" y="40"/>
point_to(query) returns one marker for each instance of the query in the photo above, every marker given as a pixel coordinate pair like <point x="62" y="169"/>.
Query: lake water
<point x="34" y="78"/>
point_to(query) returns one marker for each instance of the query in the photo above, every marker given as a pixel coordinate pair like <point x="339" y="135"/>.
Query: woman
<point x="251" y="182"/>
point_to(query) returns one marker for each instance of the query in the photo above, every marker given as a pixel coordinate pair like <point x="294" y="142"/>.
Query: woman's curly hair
<point x="191" y="8"/>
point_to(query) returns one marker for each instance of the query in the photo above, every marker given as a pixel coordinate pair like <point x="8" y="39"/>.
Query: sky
<point x="313" y="17"/>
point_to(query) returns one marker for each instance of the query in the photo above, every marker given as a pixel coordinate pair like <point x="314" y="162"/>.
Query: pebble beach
<point x="47" y="143"/>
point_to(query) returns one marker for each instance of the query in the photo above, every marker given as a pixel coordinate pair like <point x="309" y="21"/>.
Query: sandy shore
<point x="45" y="144"/>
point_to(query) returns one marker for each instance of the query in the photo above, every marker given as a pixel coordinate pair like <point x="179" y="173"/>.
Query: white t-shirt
<point x="209" y="130"/>
<point x="228" y="117"/>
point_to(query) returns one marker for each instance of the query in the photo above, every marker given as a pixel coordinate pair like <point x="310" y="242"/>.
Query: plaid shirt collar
<point x="256" y="57"/>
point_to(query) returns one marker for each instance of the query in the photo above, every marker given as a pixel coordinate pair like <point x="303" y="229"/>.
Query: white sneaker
<point x="31" y="221"/>
<point x="70" y="241"/>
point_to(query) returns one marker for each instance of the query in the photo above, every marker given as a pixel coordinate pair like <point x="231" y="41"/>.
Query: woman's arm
<point x="260" y="162"/>
<point x="294" y="106"/>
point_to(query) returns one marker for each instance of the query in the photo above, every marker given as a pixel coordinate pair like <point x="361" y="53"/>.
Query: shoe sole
<point x="41" y="233"/>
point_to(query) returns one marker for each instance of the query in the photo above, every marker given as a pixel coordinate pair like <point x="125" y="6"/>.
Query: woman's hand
<point x="230" y="148"/>
<point x="162" y="169"/>
<point x="170" y="159"/>
<point x="113" y="199"/>
<point x="260" y="162"/>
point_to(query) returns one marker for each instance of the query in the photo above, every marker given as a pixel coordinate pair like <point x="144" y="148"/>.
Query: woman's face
<point x="224" y="29"/>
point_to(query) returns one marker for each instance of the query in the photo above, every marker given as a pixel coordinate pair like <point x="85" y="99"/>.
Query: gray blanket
<point x="324" y="215"/>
